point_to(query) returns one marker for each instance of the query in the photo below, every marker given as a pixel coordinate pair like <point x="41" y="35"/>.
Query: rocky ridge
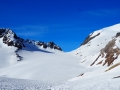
<point x="11" y="39"/>
<point x="102" y="47"/>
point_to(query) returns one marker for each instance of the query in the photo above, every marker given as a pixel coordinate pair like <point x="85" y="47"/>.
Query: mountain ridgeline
<point x="11" y="39"/>
<point x="102" y="47"/>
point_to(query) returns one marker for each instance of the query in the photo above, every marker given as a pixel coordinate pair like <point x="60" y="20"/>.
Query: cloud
<point x="28" y="31"/>
<point x="104" y="12"/>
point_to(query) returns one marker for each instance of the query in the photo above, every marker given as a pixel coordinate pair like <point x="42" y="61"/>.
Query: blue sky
<point x="66" y="22"/>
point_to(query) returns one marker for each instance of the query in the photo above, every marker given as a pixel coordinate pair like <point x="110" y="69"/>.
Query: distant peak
<point x="93" y="35"/>
<point x="10" y="38"/>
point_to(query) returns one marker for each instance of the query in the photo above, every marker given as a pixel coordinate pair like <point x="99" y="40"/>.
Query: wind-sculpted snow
<point x="89" y="84"/>
<point x="21" y="84"/>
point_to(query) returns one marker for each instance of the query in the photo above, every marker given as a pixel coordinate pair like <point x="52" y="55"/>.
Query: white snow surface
<point x="47" y="69"/>
<point x="38" y="64"/>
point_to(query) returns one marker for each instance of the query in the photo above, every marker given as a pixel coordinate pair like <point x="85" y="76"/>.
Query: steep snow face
<point x="7" y="55"/>
<point x="100" y="48"/>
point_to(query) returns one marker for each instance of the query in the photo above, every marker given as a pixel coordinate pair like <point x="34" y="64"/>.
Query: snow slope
<point x="21" y="84"/>
<point x="99" y="53"/>
<point x="44" y="66"/>
<point x="89" y="51"/>
<point x="7" y="55"/>
<point x="102" y="51"/>
<point x="34" y="62"/>
<point x="90" y="84"/>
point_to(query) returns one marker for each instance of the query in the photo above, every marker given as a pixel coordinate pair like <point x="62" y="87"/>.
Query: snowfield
<point x="89" y="84"/>
<point x="93" y="66"/>
<point x="21" y="84"/>
<point x="55" y="66"/>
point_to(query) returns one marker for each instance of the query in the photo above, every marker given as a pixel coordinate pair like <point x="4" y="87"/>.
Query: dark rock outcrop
<point x="11" y="39"/>
<point x="51" y="45"/>
<point x="118" y="34"/>
<point x="89" y="38"/>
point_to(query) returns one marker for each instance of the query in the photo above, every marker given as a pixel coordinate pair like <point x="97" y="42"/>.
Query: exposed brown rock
<point x="109" y="59"/>
<point x="113" y="66"/>
<point x="110" y="52"/>
<point x="96" y="60"/>
<point x="99" y="62"/>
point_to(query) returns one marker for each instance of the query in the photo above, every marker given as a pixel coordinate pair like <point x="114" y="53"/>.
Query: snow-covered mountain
<point x="11" y="39"/>
<point x="93" y="66"/>
<point x="100" y="52"/>
<point x="101" y="48"/>
<point x="34" y="60"/>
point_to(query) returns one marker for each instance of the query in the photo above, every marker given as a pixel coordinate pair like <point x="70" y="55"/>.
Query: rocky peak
<point x="53" y="46"/>
<point x="11" y="39"/>
<point x="50" y="45"/>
